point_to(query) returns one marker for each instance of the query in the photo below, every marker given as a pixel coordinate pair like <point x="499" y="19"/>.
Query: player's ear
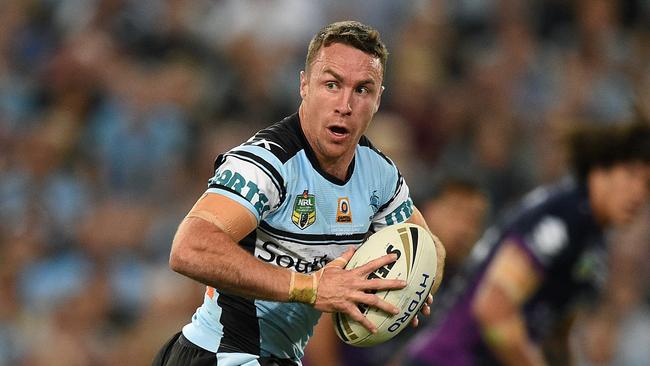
<point x="303" y="84"/>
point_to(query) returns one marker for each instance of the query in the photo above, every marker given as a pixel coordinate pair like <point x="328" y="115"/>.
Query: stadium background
<point x="112" y="111"/>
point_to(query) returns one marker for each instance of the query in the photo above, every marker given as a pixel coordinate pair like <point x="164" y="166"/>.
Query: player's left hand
<point x="425" y="310"/>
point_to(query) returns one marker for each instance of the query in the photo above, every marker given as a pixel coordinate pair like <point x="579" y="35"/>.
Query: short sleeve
<point x="398" y="208"/>
<point x="248" y="179"/>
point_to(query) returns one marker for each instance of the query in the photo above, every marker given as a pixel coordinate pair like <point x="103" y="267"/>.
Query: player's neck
<point x="338" y="169"/>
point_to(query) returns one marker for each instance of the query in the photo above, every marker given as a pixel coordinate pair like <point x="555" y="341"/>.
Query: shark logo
<point x="374" y="203"/>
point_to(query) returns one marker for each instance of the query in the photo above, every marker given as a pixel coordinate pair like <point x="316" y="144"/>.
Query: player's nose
<point x="344" y="103"/>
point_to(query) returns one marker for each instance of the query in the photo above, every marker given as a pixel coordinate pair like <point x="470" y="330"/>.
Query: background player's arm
<point x="205" y="248"/>
<point x="510" y="280"/>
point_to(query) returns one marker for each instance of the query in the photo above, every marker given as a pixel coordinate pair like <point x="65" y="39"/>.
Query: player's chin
<point x="338" y="149"/>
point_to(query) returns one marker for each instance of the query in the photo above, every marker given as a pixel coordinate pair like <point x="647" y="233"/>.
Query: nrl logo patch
<point x="304" y="210"/>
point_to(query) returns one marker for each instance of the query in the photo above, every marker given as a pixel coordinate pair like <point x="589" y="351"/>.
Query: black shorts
<point x="178" y="351"/>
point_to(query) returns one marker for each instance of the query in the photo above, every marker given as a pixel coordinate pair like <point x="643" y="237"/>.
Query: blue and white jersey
<point x="306" y="218"/>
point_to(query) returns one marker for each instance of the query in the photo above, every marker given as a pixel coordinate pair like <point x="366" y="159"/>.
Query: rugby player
<point x="283" y="212"/>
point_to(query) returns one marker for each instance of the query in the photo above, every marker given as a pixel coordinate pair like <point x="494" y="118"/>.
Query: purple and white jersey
<point x="556" y="228"/>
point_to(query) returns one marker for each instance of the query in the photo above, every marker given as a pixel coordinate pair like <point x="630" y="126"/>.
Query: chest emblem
<point x="374" y="204"/>
<point x="304" y="210"/>
<point x="343" y="211"/>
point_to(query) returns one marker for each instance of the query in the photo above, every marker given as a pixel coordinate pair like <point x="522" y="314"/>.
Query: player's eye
<point x="363" y="90"/>
<point x="331" y="85"/>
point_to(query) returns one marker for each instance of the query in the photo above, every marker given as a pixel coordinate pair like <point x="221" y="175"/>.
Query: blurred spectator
<point x="110" y="110"/>
<point x="616" y="331"/>
<point x="456" y="213"/>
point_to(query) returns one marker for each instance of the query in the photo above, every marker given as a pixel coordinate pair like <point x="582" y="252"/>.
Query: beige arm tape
<point x="228" y="215"/>
<point x="514" y="273"/>
<point x="304" y="287"/>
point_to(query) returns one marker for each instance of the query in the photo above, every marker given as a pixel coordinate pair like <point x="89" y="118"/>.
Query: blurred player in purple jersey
<point x="523" y="280"/>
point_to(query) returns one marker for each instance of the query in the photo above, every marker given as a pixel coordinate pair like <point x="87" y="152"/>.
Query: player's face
<point x="627" y="190"/>
<point x="340" y="94"/>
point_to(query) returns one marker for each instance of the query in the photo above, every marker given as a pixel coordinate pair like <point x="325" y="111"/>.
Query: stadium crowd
<point x="111" y="111"/>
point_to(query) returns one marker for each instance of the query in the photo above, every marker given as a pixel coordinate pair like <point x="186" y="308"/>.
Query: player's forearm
<point x="498" y="311"/>
<point x="441" y="255"/>
<point x="508" y="340"/>
<point x="204" y="253"/>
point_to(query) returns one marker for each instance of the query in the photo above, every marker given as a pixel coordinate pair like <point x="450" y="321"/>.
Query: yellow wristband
<point x="303" y="288"/>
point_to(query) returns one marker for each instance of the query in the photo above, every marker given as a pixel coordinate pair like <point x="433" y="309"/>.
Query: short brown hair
<point x="351" y="33"/>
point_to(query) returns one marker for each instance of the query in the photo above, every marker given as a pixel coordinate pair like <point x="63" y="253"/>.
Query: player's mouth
<point x="338" y="132"/>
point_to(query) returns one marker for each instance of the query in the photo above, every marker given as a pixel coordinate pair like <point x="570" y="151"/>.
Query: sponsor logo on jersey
<point x="401" y="213"/>
<point x="304" y="210"/>
<point x="245" y="188"/>
<point x="271" y="253"/>
<point x="343" y="211"/>
<point x="267" y="144"/>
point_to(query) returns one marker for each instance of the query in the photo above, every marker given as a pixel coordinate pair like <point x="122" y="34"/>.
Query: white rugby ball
<point x="416" y="264"/>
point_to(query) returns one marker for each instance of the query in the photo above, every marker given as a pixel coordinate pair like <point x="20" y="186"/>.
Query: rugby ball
<point x="416" y="264"/>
